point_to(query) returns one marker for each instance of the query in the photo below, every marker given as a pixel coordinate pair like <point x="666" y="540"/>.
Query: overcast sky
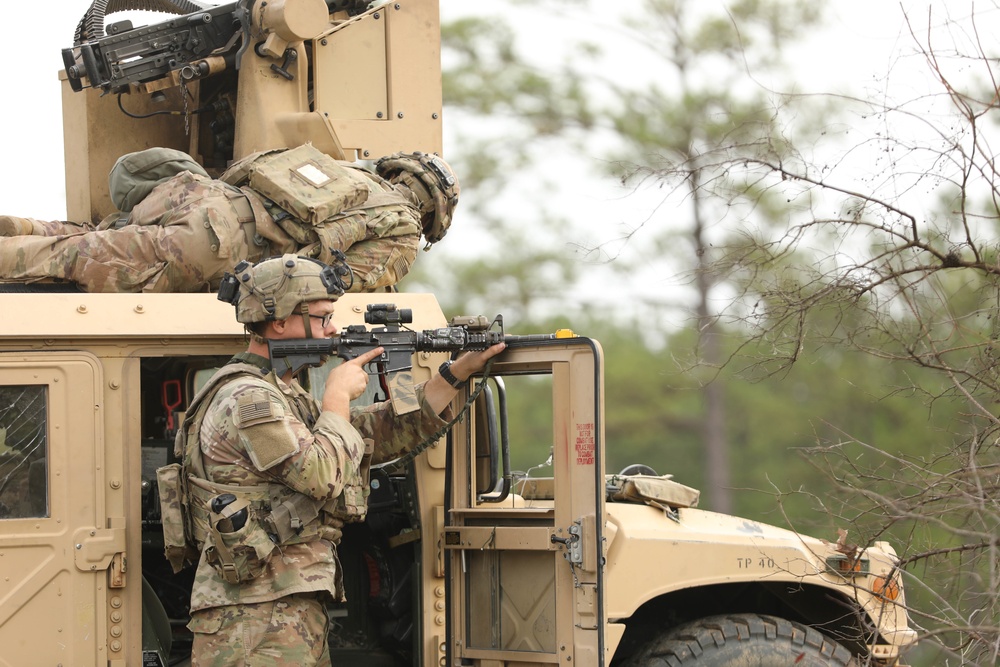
<point x="854" y="48"/>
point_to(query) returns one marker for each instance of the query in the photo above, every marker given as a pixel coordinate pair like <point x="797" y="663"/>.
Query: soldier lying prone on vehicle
<point x="183" y="229"/>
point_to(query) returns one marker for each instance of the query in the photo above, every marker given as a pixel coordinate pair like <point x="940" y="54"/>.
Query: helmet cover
<point x="274" y="288"/>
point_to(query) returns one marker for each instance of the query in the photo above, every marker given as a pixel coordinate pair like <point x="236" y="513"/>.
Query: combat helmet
<point x="434" y="183"/>
<point x="276" y="288"/>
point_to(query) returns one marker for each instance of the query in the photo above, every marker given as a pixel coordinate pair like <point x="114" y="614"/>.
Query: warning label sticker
<point x="585" y="444"/>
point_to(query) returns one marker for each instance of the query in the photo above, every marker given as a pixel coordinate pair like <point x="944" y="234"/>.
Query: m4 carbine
<point x="398" y="346"/>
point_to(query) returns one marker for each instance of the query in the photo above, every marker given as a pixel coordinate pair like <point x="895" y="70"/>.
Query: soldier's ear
<point x="278" y="326"/>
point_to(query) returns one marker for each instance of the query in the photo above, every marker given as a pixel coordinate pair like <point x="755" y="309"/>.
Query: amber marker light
<point x="885" y="587"/>
<point x="847" y="566"/>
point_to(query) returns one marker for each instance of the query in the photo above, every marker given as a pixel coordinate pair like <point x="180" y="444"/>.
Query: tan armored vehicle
<point x="460" y="562"/>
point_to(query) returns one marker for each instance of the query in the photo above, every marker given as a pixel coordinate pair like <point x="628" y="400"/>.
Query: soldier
<point x="272" y="474"/>
<point x="184" y="229"/>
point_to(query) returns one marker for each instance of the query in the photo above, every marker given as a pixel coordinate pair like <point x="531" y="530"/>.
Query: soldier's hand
<point x="346" y="382"/>
<point x="469" y="363"/>
<point x="438" y="393"/>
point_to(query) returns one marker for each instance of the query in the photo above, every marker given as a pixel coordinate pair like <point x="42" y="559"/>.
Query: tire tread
<point x="693" y="644"/>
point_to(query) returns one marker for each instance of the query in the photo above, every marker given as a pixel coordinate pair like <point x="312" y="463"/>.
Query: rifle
<point x="395" y="363"/>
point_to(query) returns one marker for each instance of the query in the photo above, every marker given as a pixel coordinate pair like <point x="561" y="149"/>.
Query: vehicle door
<point x="524" y="559"/>
<point x="57" y="543"/>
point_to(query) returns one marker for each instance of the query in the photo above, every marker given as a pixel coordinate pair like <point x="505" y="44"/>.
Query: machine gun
<point x="395" y="363"/>
<point x="195" y="45"/>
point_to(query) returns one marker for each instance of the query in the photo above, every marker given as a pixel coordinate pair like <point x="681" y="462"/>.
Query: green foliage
<point x="856" y="355"/>
<point x="490" y="77"/>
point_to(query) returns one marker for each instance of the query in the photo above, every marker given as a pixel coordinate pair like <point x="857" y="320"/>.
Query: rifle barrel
<point x="528" y="338"/>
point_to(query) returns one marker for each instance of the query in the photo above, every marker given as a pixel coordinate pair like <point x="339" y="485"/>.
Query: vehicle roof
<point x="76" y="315"/>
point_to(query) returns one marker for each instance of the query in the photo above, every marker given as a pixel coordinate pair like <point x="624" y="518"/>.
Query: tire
<point x="742" y="640"/>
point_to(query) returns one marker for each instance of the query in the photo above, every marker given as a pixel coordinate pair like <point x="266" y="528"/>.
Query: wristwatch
<point x="444" y="370"/>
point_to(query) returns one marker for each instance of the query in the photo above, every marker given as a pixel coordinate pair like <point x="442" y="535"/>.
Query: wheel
<point x="742" y="640"/>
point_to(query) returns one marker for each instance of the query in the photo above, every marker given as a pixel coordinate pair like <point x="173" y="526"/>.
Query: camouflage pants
<point x="182" y="238"/>
<point x="288" y="632"/>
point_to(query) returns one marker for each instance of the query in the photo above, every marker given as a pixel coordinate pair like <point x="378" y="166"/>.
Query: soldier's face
<point x="320" y="319"/>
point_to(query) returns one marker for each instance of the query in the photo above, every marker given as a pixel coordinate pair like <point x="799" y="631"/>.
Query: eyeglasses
<point x="325" y="320"/>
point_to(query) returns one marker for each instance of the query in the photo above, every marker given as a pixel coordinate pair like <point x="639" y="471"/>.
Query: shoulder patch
<point x="259" y="415"/>
<point x="257" y="406"/>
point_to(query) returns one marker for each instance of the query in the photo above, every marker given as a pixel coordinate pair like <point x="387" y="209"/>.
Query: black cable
<point x="164" y="112"/>
<point x="400" y="463"/>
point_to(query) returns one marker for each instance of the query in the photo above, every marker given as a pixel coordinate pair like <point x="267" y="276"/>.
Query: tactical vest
<point x="273" y="514"/>
<point x="307" y="192"/>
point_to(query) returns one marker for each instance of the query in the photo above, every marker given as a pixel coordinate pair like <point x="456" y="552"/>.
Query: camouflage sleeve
<point x="278" y="444"/>
<point x="378" y="263"/>
<point x="396" y="435"/>
<point x="328" y="455"/>
<point x="380" y="247"/>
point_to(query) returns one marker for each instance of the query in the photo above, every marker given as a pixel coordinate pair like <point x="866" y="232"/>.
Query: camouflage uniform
<point x="190" y="229"/>
<point x="180" y="238"/>
<point x="312" y="453"/>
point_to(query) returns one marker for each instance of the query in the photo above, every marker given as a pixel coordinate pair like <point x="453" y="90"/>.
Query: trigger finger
<point x="371" y="355"/>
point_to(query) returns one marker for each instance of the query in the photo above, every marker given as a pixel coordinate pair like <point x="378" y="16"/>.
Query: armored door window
<point x="23" y="450"/>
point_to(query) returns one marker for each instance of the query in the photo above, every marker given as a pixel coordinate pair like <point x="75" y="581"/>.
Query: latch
<point x="94" y="548"/>
<point x="573" y="544"/>
<point x="580" y="545"/>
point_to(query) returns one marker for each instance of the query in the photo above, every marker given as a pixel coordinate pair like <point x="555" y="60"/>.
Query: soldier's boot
<point x="13" y="226"/>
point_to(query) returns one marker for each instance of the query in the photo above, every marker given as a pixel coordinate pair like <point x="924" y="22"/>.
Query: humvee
<point x="460" y="561"/>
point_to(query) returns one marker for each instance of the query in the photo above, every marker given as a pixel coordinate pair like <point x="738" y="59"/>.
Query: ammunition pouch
<point x="238" y="555"/>
<point x="178" y="543"/>
<point x="288" y="518"/>
<point x="277" y="516"/>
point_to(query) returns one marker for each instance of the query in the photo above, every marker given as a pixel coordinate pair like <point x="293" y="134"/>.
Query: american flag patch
<point x="256" y="407"/>
<point x="253" y="411"/>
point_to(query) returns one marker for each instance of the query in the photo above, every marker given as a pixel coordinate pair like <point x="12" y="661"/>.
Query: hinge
<point x="580" y="545"/>
<point x="119" y="565"/>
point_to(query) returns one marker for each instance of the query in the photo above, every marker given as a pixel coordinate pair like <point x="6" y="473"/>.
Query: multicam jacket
<point x="304" y="449"/>
<point x="189" y="230"/>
